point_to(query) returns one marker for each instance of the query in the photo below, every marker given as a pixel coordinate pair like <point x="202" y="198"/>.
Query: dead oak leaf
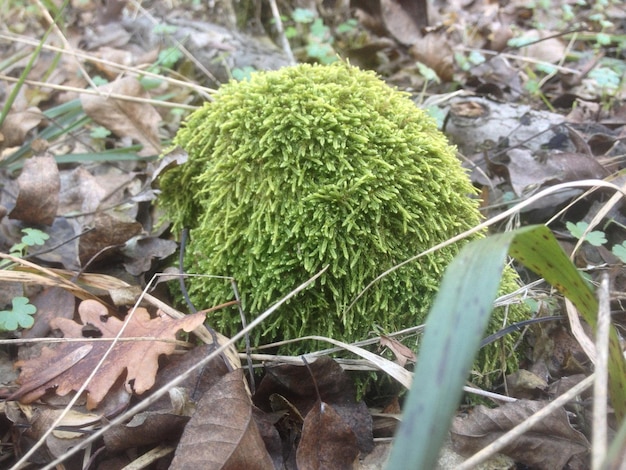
<point x="125" y="118"/>
<point x="139" y="359"/>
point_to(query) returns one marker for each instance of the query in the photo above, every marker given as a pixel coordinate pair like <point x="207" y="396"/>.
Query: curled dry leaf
<point x="125" y="118"/>
<point x="139" y="359"/>
<point x="110" y="229"/>
<point x="403" y="353"/>
<point x="327" y="441"/>
<point x="38" y="197"/>
<point x="222" y="433"/>
<point x="295" y="385"/>
<point x="549" y="445"/>
<point x="526" y="170"/>
<point x="18" y="123"/>
<point x="404" y="19"/>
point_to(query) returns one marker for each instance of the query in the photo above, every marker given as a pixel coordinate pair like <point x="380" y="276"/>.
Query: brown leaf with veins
<point x="550" y="444"/>
<point x="38" y="197"/>
<point x="327" y="440"/>
<point x="222" y="434"/>
<point x="18" y="124"/>
<point x="110" y="230"/>
<point x="126" y="118"/>
<point x="139" y="359"/>
<point x="403" y="353"/>
<point x="297" y="386"/>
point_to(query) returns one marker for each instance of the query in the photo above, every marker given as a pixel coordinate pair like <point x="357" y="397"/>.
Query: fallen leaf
<point x="52" y="302"/>
<point x="125" y="118"/>
<point x="327" y="441"/>
<point x="295" y="385"/>
<point x="35" y="421"/>
<point x="141" y="251"/>
<point x="525" y="384"/>
<point x="528" y="171"/>
<point x="404" y="19"/>
<point x="403" y="353"/>
<point x="38" y="197"/>
<point x="139" y="359"/>
<point x="222" y="433"/>
<point x="549" y="445"/>
<point x="145" y="429"/>
<point x="110" y="229"/>
<point x="17" y="125"/>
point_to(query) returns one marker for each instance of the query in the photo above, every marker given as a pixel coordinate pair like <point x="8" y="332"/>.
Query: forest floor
<point x="533" y="95"/>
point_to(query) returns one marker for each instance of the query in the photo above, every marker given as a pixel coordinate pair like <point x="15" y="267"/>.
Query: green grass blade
<point x="20" y="82"/>
<point x="454" y="329"/>
<point x="457" y="322"/>
<point x="539" y="251"/>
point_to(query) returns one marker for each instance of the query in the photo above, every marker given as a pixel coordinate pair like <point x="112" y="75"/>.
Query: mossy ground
<point x="310" y="166"/>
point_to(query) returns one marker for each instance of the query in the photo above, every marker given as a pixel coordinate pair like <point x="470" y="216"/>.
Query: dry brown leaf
<point x="222" y="433"/>
<point x="52" y="302"/>
<point x="549" y="445"/>
<point x="403" y="353"/>
<point x="327" y="441"/>
<point x="110" y="229"/>
<point x="295" y="385"/>
<point x="435" y="51"/>
<point x="404" y="19"/>
<point x="526" y="170"/>
<point x="138" y="359"/>
<point x="80" y="192"/>
<point x="17" y="125"/>
<point x="525" y="384"/>
<point x="140" y="121"/>
<point x="145" y="429"/>
<point x="38" y="197"/>
<point x="35" y="421"/>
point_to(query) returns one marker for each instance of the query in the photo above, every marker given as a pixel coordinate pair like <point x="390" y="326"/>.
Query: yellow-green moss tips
<point x="310" y="166"/>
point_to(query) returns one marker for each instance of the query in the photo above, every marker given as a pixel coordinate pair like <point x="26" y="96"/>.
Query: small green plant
<point x="620" y="251"/>
<point x="19" y="316"/>
<point x="595" y="237"/>
<point x="31" y="237"/>
<point x="305" y="30"/>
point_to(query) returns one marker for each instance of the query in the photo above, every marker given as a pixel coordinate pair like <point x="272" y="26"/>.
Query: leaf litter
<point x="99" y="214"/>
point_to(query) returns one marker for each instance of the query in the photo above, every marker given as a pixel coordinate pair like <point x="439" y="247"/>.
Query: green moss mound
<point x="311" y="166"/>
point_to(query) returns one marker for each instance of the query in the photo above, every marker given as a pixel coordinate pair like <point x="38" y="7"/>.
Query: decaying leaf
<point x="139" y="359"/>
<point x="528" y="171"/>
<point x="38" y="197"/>
<point x="403" y="353"/>
<point x="126" y="118"/>
<point x="327" y="441"/>
<point x="549" y="445"/>
<point x="37" y="420"/>
<point x="295" y="385"/>
<point x="18" y="124"/>
<point x="222" y="434"/>
<point x="110" y="229"/>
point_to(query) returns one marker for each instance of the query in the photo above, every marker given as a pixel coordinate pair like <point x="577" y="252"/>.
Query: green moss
<point x="311" y="166"/>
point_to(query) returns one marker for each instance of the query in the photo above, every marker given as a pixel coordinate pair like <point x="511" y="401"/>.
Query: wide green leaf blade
<point x="539" y="251"/>
<point x="457" y="322"/>
<point x="452" y="335"/>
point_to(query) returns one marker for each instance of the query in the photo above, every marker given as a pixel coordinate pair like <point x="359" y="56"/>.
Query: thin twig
<point x="600" y="392"/>
<point x="281" y="32"/>
<point x="163" y="390"/>
<point x="130" y="70"/>
<point x="503" y="441"/>
<point x="88" y="91"/>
